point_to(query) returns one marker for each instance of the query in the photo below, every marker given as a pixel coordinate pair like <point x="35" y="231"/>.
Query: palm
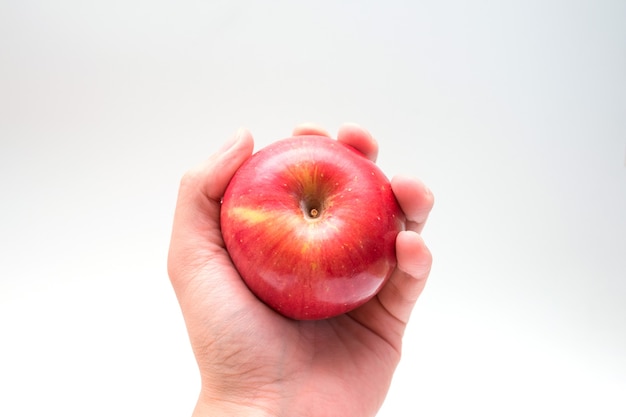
<point x="343" y="357"/>
<point x="339" y="359"/>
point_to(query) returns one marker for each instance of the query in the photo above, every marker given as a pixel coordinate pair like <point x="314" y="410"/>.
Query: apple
<point x="310" y="224"/>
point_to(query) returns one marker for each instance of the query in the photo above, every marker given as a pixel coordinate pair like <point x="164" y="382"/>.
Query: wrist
<point x="208" y="407"/>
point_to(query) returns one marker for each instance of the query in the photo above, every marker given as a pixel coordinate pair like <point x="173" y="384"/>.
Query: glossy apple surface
<point x="311" y="224"/>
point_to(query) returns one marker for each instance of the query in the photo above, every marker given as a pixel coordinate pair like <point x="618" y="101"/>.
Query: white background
<point x="514" y="113"/>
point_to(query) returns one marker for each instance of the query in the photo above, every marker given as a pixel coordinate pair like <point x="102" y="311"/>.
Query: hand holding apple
<point x="253" y="361"/>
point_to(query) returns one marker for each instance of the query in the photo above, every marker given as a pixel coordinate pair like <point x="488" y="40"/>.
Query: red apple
<point x="311" y="224"/>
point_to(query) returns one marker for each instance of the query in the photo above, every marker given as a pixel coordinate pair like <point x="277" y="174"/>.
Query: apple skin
<point x="310" y="224"/>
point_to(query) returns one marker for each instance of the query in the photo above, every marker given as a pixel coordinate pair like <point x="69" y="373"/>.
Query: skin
<point x="255" y="362"/>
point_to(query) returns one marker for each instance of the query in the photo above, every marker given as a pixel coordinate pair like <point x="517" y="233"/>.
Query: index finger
<point x="349" y="134"/>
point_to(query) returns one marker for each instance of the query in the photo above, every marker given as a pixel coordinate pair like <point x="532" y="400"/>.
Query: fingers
<point x="309" y="129"/>
<point x="349" y="133"/>
<point x="388" y="313"/>
<point x="407" y="282"/>
<point x="415" y="199"/>
<point x="360" y="139"/>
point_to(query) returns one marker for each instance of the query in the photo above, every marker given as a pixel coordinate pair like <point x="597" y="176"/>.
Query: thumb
<point x="196" y="233"/>
<point x="215" y="174"/>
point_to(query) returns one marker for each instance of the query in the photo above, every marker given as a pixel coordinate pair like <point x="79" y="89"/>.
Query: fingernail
<point x="232" y="142"/>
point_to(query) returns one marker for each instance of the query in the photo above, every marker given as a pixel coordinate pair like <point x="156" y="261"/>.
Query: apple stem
<point x="311" y="208"/>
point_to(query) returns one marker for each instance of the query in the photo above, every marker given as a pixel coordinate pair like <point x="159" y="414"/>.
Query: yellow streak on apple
<point x="250" y="215"/>
<point x="305" y="247"/>
<point x="313" y="234"/>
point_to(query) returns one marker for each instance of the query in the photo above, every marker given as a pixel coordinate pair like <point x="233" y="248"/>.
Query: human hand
<point x="252" y="360"/>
